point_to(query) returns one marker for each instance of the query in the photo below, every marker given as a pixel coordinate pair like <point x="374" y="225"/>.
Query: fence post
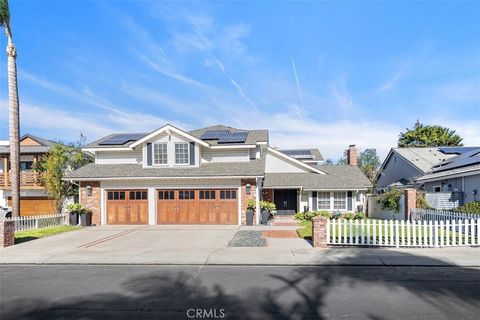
<point x="319" y="232"/>
<point x="410" y="201"/>
<point x="7" y="233"/>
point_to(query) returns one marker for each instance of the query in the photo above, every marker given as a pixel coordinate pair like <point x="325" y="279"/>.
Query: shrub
<point x="348" y="216"/>
<point x="308" y="216"/>
<point x="471" y="207"/>
<point x="299" y="216"/>
<point x="359" y="215"/>
<point x="337" y="215"/>
<point x="325" y="214"/>
<point x="390" y="200"/>
<point x="78" y="208"/>
<point x="251" y="205"/>
<point x="421" y="201"/>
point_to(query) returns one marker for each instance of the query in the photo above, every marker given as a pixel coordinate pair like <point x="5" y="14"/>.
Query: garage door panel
<point x="127" y="207"/>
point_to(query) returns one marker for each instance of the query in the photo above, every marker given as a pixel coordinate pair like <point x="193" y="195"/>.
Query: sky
<point x="316" y="74"/>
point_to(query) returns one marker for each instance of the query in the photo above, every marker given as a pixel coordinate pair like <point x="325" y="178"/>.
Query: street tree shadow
<point x="295" y="293"/>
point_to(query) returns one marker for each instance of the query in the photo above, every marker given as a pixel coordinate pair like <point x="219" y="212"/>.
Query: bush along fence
<point x="394" y="233"/>
<point x="35" y="222"/>
<point x="440" y="215"/>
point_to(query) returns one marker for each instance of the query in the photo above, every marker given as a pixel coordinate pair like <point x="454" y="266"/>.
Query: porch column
<point x="257" y="201"/>
<point x="35" y="175"/>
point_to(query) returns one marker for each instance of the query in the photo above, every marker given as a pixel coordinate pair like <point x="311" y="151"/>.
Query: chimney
<point x="352" y="155"/>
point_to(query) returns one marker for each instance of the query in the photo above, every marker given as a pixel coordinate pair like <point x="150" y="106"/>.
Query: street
<point x="238" y="292"/>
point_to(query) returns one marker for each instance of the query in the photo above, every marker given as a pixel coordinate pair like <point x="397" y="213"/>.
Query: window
<point x="437" y="188"/>
<point x="228" y="194"/>
<point x="186" y="194"/>
<point x="26" y="165"/>
<point x="323" y="200"/>
<point x="138" y="195"/>
<point x="160" y="153"/>
<point x="339" y="200"/>
<point x="207" y="194"/>
<point x="166" y="195"/>
<point x="182" y="153"/>
<point x="116" y="195"/>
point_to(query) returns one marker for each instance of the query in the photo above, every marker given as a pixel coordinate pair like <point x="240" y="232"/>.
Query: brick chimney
<point x="352" y="155"/>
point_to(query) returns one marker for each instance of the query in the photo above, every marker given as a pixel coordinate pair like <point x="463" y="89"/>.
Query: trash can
<point x="249" y="218"/>
<point x="73" y="218"/>
<point x="86" y="219"/>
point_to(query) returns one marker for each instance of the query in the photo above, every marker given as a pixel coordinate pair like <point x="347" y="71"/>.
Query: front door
<point x="286" y="201"/>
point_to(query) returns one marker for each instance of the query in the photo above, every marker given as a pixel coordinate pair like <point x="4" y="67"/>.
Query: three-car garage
<point x="173" y="206"/>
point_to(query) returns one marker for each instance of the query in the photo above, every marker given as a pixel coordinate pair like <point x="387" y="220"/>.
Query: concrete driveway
<point x="124" y="244"/>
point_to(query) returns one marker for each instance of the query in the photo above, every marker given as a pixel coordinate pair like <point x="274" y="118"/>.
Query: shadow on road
<point x="292" y="293"/>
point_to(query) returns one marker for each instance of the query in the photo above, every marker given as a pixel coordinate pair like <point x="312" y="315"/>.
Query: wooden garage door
<point x="197" y="206"/>
<point x="127" y="207"/>
<point x="34" y="206"/>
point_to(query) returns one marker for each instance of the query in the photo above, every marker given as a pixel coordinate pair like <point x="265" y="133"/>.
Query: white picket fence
<point x="394" y="233"/>
<point x="432" y="214"/>
<point x="35" y="222"/>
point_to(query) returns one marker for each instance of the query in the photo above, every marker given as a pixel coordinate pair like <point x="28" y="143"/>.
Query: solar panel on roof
<point x="298" y="153"/>
<point x="456" y="150"/>
<point x="213" y="134"/>
<point x="120" y="139"/>
<point x="234" y="137"/>
<point x="463" y="160"/>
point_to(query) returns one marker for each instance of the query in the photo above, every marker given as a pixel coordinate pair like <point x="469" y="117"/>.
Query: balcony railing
<point x="27" y="179"/>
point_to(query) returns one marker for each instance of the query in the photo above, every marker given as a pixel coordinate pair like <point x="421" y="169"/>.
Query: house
<point x="206" y="176"/>
<point x="310" y="156"/>
<point x="33" y="196"/>
<point x="446" y="174"/>
<point x="454" y="181"/>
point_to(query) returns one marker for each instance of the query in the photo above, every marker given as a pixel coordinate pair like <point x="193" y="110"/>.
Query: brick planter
<point x="7" y="233"/>
<point x="319" y="232"/>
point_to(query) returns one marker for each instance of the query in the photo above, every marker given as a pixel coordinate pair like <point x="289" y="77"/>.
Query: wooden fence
<point x="431" y="214"/>
<point x="394" y="233"/>
<point x="35" y="222"/>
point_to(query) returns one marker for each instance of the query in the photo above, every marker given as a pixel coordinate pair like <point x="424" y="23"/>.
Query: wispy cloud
<point x="393" y="81"/>
<point x="298" y="83"/>
<point x="342" y="96"/>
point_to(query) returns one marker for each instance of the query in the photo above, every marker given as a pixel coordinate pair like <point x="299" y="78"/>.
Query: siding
<point x="397" y="168"/>
<point x="127" y="157"/>
<point x="274" y="164"/>
<point x="472" y="183"/>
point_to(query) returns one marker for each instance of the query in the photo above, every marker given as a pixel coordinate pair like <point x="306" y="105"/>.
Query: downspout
<point x="257" y="200"/>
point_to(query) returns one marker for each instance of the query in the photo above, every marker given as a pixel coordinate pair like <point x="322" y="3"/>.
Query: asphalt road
<point x="238" y="292"/>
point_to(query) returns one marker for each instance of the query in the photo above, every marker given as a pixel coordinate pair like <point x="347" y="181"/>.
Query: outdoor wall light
<point x="248" y="188"/>
<point x="89" y="190"/>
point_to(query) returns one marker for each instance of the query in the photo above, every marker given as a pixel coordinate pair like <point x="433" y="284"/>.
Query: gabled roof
<point x="43" y="147"/>
<point x="315" y="154"/>
<point x="296" y="161"/>
<point x="422" y="158"/>
<point x="168" y="128"/>
<point x="253" y="137"/>
<point x="337" y="177"/>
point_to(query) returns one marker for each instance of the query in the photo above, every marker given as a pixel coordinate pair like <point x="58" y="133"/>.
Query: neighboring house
<point x="33" y="196"/>
<point x="442" y="172"/>
<point x="453" y="182"/>
<point x="206" y="176"/>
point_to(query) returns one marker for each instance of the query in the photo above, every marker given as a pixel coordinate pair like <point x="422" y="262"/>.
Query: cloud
<point x="298" y="83"/>
<point x="397" y="76"/>
<point x="342" y="96"/>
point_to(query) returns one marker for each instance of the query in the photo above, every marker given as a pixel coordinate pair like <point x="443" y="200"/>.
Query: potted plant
<point x="267" y="208"/>
<point x="251" y="205"/>
<point x="79" y="214"/>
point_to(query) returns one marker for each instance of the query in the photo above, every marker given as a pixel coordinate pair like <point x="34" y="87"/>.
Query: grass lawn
<point x="306" y="230"/>
<point x="24" y="236"/>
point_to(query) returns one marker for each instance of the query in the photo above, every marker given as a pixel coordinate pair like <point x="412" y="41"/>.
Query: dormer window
<point x="182" y="155"/>
<point x="160" y="155"/>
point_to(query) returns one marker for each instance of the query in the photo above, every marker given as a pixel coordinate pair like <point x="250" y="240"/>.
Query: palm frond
<point x="4" y="14"/>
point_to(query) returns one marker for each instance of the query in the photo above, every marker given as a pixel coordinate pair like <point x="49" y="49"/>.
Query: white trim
<point x="93" y="150"/>
<point x="159" y="178"/>
<point x="285" y="187"/>
<point x="330" y="189"/>
<point x="153" y="154"/>
<point x="262" y="142"/>
<point x="103" y="207"/>
<point x="152" y="208"/>
<point x="281" y="154"/>
<point x="168" y="128"/>
<point x="243" y="146"/>
<point x="449" y="175"/>
<point x="175" y="154"/>
<point x="239" y="216"/>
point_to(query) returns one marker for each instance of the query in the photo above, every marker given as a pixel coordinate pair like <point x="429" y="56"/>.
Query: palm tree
<point x="13" y="107"/>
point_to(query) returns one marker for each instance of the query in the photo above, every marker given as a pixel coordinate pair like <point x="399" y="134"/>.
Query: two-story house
<point x="33" y="196"/>
<point x="207" y="176"/>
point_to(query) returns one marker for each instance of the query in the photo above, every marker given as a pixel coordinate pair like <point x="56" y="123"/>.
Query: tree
<point x="328" y="162"/>
<point x="13" y="107"/>
<point x="369" y="163"/>
<point x="428" y="136"/>
<point x="60" y="160"/>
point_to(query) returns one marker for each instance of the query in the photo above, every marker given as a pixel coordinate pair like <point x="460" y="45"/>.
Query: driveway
<point x="124" y="244"/>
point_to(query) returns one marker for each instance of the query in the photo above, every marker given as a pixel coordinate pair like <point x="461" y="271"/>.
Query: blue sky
<point x="317" y="74"/>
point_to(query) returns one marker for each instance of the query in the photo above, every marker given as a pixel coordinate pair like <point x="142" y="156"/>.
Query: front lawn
<point x="24" y="236"/>
<point x="306" y="230"/>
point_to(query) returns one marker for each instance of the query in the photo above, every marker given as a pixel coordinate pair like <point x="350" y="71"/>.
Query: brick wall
<point x="7" y="233"/>
<point x="92" y="202"/>
<point x="246" y="197"/>
<point x="410" y="201"/>
<point x="319" y="232"/>
<point x="267" y="195"/>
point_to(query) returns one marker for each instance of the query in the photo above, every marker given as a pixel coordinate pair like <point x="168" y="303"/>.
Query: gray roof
<point x="341" y="177"/>
<point x="422" y="158"/>
<point x="446" y="173"/>
<point x="104" y="171"/>
<point x="253" y="137"/>
<point x="43" y="148"/>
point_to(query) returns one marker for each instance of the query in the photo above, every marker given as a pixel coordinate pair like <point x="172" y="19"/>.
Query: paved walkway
<point x="207" y="245"/>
